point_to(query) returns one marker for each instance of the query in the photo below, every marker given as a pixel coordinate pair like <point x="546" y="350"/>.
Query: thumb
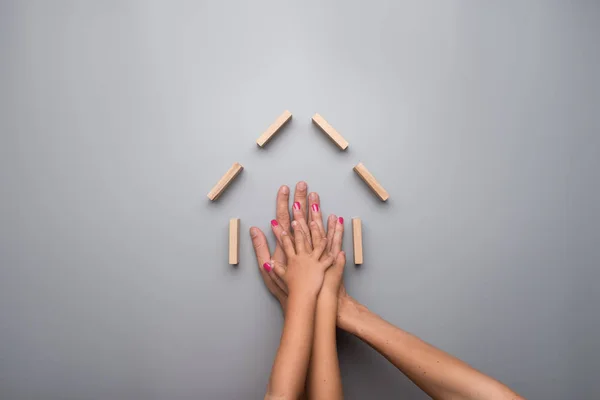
<point x="278" y="269"/>
<point x="340" y="263"/>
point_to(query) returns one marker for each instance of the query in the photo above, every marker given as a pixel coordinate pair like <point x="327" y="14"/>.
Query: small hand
<point x="306" y="265"/>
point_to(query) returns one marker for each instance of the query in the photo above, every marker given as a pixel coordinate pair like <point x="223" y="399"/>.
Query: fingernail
<point x="285" y="190"/>
<point x="302" y="185"/>
<point x="253" y="232"/>
<point x="267" y="267"/>
<point x="341" y="220"/>
<point x="296" y="205"/>
<point x="312" y="196"/>
<point x="315" y="207"/>
<point x="274" y="222"/>
<point x="294" y="224"/>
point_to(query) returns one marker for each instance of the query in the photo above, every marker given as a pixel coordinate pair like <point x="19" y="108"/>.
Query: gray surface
<point x="116" y="118"/>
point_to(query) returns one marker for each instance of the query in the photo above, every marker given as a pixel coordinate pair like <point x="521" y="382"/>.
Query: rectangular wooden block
<point x="274" y="128"/>
<point x="330" y="131"/>
<point x="234" y="241"/>
<point x="370" y="180"/>
<point x="225" y="181"/>
<point x="357" y="240"/>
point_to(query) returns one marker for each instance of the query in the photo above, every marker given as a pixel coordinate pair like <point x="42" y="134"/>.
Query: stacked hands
<point x="304" y="273"/>
<point x="308" y="260"/>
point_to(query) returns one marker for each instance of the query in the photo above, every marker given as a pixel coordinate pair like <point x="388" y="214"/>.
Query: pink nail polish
<point x="315" y="207"/>
<point x="267" y="267"/>
<point x="296" y="205"/>
<point x="341" y="220"/>
<point x="274" y="222"/>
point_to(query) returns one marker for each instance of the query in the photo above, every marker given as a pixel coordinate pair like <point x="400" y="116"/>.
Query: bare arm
<point x="439" y="374"/>
<point x="304" y="278"/>
<point x="324" y="381"/>
<point x="324" y="378"/>
<point x="289" y="368"/>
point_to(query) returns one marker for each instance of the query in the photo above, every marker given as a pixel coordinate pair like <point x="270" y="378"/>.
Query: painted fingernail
<point x="274" y="222"/>
<point x="315" y="207"/>
<point x="296" y="205"/>
<point x="341" y="220"/>
<point x="267" y="267"/>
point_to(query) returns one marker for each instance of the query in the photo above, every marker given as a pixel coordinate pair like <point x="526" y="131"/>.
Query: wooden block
<point x="357" y="240"/>
<point x="370" y="180"/>
<point x="274" y="128"/>
<point x="216" y="191"/>
<point x="330" y="131"/>
<point x="234" y="241"/>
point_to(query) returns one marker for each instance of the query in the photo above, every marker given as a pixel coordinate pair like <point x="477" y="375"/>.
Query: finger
<point x="282" y="214"/>
<point x="277" y="231"/>
<point x="339" y="263"/>
<point x="287" y="244"/>
<point x="327" y="261"/>
<point x="270" y="269"/>
<point x="279" y="273"/>
<point x="261" y="246"/>
<point x="320" y="242"/>
<point x="299" y="238"/>
<point x="282" y="211"/>
<point x="314" y="212"/>
<point x="338" y="266"/>
<point x="331" y="223"/>
<point x="273" y="282"/>
<point x="299" y="217"/>
<point x="338" y="236"/>
<point x="300" y="195"/>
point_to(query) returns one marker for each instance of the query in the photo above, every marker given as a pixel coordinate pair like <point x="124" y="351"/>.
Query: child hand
<point x="334" y="234"/>
<point x="332" y="285"/>
<point x="306" y="265"/>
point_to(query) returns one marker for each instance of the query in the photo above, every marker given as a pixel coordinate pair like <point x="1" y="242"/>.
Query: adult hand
<point x="333" y="277"/>
<point x="261" y="246"/>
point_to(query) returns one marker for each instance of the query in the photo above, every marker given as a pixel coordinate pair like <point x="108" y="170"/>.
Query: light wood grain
<point x="357" y="240"/>
<point x="225" y="181"/>
<point x="234" y="241"/>
<point x="330" y="131"/>
<point x="274" y="128"/>
<point x="370" y="180"/>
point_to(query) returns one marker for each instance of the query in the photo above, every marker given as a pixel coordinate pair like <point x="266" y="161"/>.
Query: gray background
<point x="116" y="118"/>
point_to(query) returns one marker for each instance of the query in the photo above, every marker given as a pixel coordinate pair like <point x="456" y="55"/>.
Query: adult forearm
<point x="439" y="374"/>
<point x="291" y="362"/>
<point x="324" y="380"/>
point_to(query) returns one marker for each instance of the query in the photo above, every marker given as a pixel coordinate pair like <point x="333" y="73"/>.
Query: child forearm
<point x="324" y="380"/>
<point x="291" y="362"/>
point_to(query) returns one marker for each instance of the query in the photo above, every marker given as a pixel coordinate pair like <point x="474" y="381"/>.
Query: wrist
<point x="349" y="314"/>
<point x="299" y="301"/>
<point x="327" y="298"/>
